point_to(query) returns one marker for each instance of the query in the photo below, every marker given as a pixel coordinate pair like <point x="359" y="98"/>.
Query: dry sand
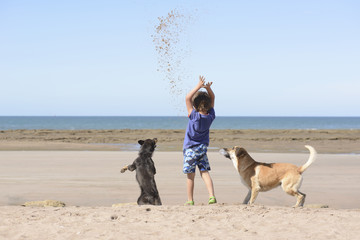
<point x="178" y="222"/>
<point x="89" y="182"/>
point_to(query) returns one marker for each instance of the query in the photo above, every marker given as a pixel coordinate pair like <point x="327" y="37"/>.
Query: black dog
<point x="145" y="172"/>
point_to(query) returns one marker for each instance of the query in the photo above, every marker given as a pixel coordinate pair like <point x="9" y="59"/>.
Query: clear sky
<point x="98" y="58"/>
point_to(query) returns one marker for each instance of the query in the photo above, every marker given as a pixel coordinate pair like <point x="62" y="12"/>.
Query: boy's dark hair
<point x="202" y="101"/>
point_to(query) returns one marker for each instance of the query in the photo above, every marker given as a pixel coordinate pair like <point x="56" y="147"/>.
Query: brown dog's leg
<point x="247" y="198"/>
<point x="255" y="188"/>
<point x="254" y="194"/>
<point x="299" y="196"/>
<point x="300" y="199"/>
<point x="291" y="186"/>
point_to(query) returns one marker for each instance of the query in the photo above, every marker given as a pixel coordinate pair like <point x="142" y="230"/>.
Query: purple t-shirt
<point x="197" y="131"/>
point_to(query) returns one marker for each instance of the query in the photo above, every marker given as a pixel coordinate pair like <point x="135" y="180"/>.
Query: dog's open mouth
<point x="224" y="153"/>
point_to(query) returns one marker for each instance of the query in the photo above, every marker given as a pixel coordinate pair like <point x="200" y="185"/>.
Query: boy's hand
<point x="208" y="85"/>
<point x="201" y="83"/>
<point x="210" y="92"/>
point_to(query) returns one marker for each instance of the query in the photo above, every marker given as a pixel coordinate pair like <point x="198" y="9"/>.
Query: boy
<point x="200" y="108"/>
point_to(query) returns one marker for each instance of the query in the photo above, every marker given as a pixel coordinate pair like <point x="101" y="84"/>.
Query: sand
<point x="170" y="40"/>
<point x="93" y="178"/>
<point x="178" y="222"/>
<point x="286" y="141"/>
<point x="88" y="180"/>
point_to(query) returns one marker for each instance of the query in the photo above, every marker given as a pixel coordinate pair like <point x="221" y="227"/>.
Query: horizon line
<point x="298" y="116"/>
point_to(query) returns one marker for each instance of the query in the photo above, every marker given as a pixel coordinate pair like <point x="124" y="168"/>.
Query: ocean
<point x="78" y="123"/>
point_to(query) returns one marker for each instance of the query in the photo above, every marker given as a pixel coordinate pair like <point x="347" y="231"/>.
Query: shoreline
<point x="271" y="141"/>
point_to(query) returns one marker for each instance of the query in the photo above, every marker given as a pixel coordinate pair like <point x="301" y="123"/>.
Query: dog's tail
<point x="311" y="159"/>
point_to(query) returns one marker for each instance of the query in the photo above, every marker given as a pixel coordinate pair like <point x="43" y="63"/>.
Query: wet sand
<point x="285" y="141"/>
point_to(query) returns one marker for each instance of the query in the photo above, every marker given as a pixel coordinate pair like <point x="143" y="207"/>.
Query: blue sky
<point x="98" y="58"/>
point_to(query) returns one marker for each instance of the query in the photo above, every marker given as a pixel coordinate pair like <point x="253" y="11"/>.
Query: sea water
<point x="117" y="122"/>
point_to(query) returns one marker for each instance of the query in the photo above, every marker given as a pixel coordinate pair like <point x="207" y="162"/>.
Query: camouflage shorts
<point x="196" y="156"/>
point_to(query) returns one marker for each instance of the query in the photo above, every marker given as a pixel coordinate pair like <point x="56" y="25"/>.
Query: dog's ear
<point x="141" y="142"/>
<point x="155" y="140"/>
<point x="240" y="152"/>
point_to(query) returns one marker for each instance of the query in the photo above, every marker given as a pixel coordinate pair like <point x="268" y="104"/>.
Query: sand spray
<point x="173" y="50"/>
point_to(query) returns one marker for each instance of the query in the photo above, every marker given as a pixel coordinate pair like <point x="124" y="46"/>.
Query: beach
<point x="284" y="141"/>
<point x="85" y="81"/>
<point x="82" y="170"/>
<point x="178" y="222"/>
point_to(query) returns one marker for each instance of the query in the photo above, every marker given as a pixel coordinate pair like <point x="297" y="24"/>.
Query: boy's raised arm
<point x="211" y="93"/>
<point x="188" y="98"/>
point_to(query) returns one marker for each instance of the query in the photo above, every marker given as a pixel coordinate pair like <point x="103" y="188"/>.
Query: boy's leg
<point x="190" y="186"/>
<point x="204" y="167"/>
<point x="205" y="175"/>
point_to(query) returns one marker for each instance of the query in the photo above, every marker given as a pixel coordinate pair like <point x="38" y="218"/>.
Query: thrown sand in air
<point x="170" y="40"/>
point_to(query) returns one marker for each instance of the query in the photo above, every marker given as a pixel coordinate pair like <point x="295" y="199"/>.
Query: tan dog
<point x="261" y="177"/>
